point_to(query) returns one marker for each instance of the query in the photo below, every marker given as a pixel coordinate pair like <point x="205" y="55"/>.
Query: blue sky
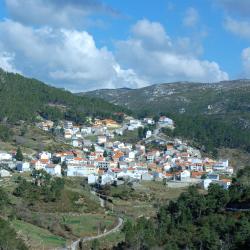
<point x="88" y="44"/>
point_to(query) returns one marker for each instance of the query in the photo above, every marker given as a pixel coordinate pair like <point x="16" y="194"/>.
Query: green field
<point x="89" y="224"/>
<point x="36" y="237"/>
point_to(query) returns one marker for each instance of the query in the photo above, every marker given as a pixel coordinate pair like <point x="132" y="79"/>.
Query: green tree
<point x="105" y="154"/>
<point x="140" y="133"/>
<point x="19" y="154"/>
<point x="92" y="149"/>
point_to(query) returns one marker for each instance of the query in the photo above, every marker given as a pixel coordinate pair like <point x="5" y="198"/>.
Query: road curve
<point x="75" y="244"/>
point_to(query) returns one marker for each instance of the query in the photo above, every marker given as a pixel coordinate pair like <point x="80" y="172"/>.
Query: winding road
<point x="74" y="245"/>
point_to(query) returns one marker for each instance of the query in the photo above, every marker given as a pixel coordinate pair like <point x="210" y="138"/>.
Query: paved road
<point x="74" y="245"/>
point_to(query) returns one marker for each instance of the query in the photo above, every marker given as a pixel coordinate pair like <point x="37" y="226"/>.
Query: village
<point x="101" y="156"/>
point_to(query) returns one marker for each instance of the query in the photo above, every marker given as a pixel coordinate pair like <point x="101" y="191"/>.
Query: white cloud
<point x="240" y="28"/>
<point x="64" y="56"/>
<point x="6" y="62"/>
<point x="70" y="58"/>
<point x="167" y="62"/>
<point x="191" y="17"/>
<point x="246" y="62"/>
<point x="151" y="33"/>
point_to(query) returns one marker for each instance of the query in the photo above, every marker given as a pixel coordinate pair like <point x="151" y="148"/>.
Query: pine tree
<point x="19" y="154"/>
<point x="105" y="154"/>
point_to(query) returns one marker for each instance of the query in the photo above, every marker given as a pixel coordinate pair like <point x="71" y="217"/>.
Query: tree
<point x="140" y="133"/>
<point x="156" y="118"/>
<point x="92" y="149"/>
<point x="19" y="154"/>
<point x="105" y="154"/>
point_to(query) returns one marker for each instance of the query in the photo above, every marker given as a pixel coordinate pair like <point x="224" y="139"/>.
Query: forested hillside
<point x="22" y="98"/>
<point x="213" y="115"/>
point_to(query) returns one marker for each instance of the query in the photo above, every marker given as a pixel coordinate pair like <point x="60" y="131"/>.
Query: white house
<point x="81" y="170"/>
<point x="149" y="121"/>
<point x="23" y="166"/>
<point x="134" y="124"/>
<point x="165" y="121"/>
<point x="148" y="134"/>
<point x="86" y="130"/>
<point x="101" y="139"/>
<point x="131" y="155"/>
<point x="75" y="129"/>
<point x="221" y="165"/>
<point x="92" y="179"/>
<point x="68" y="124"/>
<point x="206" y="183"/>
<point x="76" y="143"/>
<point x="185" y="175"/>
<point x="4" y="156"/>
<point x="68" y="133"/>
<point x="53" y="169"/>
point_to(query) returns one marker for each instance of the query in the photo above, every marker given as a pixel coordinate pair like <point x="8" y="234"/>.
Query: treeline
<point x="211" y="131"/>
<point x="195" y="221"/>
<point x="24" y="99"/>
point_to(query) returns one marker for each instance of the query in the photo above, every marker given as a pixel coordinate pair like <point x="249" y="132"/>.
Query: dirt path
<point x="74" y="245"/>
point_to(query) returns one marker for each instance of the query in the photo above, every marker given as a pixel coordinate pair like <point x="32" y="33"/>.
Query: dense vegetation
<point x="211" y="132"/>
<point x="24" y="99"/>
<point x="42" y="188"/>
<point x="196" y="221"/>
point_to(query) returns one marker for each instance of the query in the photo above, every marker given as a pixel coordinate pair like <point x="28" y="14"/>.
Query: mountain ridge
<point x="23" y="98"/>
<point x="186" y="93"/>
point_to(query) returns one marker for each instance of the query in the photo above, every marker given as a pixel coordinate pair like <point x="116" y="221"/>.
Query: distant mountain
<point x="202" y="98"/>
<point x="23" y="98"/>
<point x="213" y="114"/>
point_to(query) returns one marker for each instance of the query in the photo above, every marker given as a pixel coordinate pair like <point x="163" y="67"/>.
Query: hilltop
<point x="184" y="97"/>
<point x="25" y="99"/>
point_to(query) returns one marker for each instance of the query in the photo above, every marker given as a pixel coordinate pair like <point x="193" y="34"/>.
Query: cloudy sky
<point x="89" y="44"/>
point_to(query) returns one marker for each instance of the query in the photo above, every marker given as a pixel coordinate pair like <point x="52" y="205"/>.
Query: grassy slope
<point x="36" y="237"/>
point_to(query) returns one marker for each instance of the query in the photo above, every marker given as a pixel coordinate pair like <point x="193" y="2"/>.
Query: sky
<point x="83" y="45"/>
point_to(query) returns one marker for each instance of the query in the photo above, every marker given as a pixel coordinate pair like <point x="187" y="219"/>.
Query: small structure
<point x="23" y="166"/>
<point x="4" y="173"/>
<point x="53" y="169"/>
<point x="92" y="179"/>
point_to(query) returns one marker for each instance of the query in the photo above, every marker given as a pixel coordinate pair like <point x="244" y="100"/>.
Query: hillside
<point x="214" y="115"/>
<point x="22" y="98"/>
<point x="202" y="98"/>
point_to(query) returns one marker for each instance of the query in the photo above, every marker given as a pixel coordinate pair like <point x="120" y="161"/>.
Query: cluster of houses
<point x="105" y="129"/>
<point x="107" y="162"/>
